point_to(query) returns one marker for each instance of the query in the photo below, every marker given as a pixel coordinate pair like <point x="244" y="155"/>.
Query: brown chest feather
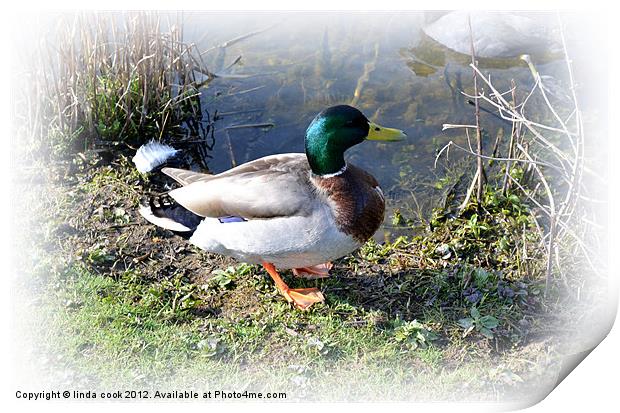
<point x="360" y="206"/>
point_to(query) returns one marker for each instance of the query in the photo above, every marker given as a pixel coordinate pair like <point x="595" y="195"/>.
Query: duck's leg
<point x="301" y="297"/>
<point x="315" y="271"/>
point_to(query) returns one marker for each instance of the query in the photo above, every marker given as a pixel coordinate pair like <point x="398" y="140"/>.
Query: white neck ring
<point x="340" y="172"/>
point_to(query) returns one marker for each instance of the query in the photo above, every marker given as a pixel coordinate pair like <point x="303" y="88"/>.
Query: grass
<point x="423" y="317"/>
<point x="152" y="343"/>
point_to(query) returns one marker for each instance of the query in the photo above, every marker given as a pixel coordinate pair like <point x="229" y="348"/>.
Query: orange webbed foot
<point x="314" y="272"/>
<point x="302" y="298"/>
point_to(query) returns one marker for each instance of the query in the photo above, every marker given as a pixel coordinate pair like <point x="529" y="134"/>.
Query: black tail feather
<point x="163" y="206"/>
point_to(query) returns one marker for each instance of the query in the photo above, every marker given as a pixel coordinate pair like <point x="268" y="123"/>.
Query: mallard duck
<point x="289" y="211"/>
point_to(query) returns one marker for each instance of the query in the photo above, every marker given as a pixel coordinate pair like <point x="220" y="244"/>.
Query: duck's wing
<point x="185" y="177"/>
<point x="277" y="162"/>
<point x="268" y="187"/>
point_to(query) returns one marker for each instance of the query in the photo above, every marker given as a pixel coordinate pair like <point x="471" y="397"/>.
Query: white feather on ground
<point x="151" y="155"/>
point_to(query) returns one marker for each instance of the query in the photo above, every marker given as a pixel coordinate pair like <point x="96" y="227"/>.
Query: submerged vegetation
<point x="458" y="303"/>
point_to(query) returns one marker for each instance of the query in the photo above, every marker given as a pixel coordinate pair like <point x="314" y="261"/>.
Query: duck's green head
<point x="335" y="130"/>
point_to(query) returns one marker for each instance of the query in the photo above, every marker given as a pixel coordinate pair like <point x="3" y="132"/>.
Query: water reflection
<point x="280" y="69"/>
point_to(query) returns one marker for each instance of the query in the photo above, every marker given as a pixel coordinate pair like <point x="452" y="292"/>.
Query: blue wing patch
<point x="226" y="220"/>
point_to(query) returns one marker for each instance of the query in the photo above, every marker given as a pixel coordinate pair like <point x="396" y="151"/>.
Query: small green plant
<point x="60" y="140"/>
<point x="443" y="182"/>
<point x="172" y="298"/>
<point x="121" y="216"/>
<point x="374" y="252"/>
<point x="474" y="226"/>
<point x="397" y="218"/>
<point x="98" y="255"/>
<point x="225" y="278"/>
<point x="483" y="324"/>
<point x="318" y="345"/>
<point x="211" y="347"/>
<point x="413" y="334"/>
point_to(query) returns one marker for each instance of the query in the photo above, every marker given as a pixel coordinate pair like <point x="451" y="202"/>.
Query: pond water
<point x="286" y="67"/>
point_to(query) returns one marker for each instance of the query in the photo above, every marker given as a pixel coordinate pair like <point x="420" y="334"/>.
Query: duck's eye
<point x="349" y="123"/>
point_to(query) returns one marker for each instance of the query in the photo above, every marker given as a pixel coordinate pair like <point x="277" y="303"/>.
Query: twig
<point x="543" y="92"/>
<point x="233" y="161"/>
<point x="495" y="115"/>
<point x="480" y="166"/>
<point x="519" y="118"/>
<point x="447" y="126"/>
<point x="469" y="192"/>
<point x="495" y="158"/>
<point x="238" y="112"/>
<point x="568" y="165"/>
<point x="514" y="137"/>
<point x="552" y="220"/>
<point x="237" y="39"/>
<point x="251" y="125"/>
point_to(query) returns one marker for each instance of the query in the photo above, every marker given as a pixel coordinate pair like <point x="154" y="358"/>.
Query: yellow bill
<point x="381" y="133"/>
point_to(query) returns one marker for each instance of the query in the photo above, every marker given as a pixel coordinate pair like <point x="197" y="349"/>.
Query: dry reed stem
<point x="479" y="177"/>
<point x="91" y="68"/>
<point x="562" y="204"/>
